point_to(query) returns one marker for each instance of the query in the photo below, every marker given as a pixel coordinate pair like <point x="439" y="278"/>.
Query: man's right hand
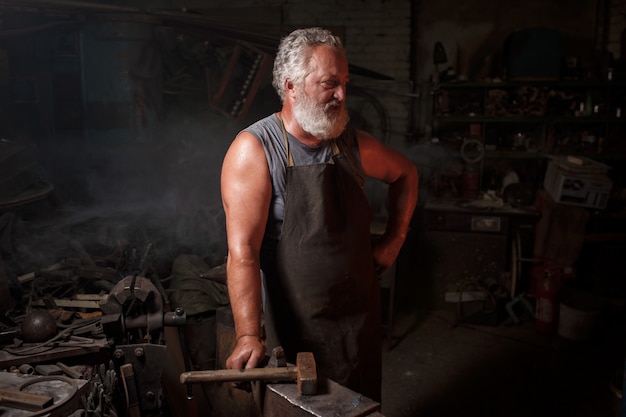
<point x="248" y="353"/>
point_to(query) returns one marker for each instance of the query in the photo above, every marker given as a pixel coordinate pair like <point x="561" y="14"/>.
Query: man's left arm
<point x="388" y="165"/>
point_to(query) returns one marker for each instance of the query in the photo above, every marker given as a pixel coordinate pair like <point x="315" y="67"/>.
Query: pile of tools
<point x="96" y="325"/>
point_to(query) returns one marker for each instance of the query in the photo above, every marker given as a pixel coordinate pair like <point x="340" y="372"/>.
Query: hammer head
<point x="307" y="373"/>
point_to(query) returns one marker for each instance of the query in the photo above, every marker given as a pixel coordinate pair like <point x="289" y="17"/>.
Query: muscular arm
<point x="390" y="166"/>
<point x="246" y="193"/>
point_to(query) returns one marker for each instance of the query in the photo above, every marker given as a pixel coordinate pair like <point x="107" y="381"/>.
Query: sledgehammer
<point x="304" y="373"/>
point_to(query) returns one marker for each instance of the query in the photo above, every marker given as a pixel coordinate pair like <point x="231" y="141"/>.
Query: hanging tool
<point x="130" y="390"/>
<point x="439" y="54"/>
<point x="439" y="57"/>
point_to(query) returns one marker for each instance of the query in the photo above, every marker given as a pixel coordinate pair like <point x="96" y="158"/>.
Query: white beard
<point x="314" y="119"/>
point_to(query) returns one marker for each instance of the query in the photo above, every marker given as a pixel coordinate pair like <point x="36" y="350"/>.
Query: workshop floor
<point x="438" y="369"/>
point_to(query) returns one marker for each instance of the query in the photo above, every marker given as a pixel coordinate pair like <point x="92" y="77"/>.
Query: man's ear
<point x="290" y="87"/>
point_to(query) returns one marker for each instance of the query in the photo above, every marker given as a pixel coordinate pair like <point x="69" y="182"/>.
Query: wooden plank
<point x="63" y="302"/>
<point x="56" y="389"/>
<point x="90" y="297"/>
<point x="31" y="275"/>
<point x="55" y="354"/>
<point x="24" y="400"/>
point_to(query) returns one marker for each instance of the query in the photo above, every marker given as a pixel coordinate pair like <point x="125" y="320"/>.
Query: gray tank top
<point x="269" y="133"/>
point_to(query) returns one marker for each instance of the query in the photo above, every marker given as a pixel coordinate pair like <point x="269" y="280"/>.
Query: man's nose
<point x="340" y="92"/>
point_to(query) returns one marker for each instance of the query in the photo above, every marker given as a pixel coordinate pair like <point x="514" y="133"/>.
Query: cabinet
<point x="495" y="130"/>
<point x="466" y="250"/>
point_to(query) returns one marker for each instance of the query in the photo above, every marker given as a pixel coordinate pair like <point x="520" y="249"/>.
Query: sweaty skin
<point x="246" y="195"/>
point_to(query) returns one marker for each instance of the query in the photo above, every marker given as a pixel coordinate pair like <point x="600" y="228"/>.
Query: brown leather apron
<point x="322" y="291"/>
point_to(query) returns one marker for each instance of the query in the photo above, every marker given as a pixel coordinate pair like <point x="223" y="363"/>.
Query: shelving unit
<point x="514" y="126"/>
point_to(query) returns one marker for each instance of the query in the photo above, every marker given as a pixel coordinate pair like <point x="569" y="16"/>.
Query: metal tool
<point x="304" y="373"/>
<point x="134" y="320"/>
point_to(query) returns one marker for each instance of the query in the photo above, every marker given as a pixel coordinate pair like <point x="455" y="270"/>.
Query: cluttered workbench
<point x="122" y="354"/>
<point x="52" y="395"/>
<point x="482" y="249"/>
<point x="57" y="360"/>
<point x="466" y="251"/>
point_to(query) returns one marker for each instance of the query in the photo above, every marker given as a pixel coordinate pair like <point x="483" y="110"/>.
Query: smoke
<point x="433" y="161"/>
<point x="163" y="192"/>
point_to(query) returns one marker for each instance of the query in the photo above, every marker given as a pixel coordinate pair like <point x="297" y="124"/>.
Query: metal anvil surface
<point x="333" y="400"/>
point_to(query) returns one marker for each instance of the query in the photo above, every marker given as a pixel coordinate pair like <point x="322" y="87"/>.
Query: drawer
<point x="466" y="222"/>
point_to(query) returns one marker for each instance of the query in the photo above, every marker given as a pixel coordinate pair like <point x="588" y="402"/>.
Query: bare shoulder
<point x="245" y="148"/>
<point x="244" y="167"/>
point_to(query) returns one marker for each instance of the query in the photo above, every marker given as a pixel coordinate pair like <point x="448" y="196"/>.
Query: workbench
<point x="464" y="242"/>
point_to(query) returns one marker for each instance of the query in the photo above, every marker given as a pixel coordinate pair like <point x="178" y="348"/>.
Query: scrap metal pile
<point x="94" y="323"/>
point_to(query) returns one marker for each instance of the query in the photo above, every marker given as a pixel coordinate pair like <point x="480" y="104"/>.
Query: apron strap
<point x="290" y="162"/>
<point x="289" y="156"/>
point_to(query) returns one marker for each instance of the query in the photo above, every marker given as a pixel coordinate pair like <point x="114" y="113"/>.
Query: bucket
<point x="579" y="315"/>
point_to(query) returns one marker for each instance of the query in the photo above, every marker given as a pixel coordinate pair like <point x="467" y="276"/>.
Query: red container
<point x="546" y="286"/>
<point x="471" y="183"/>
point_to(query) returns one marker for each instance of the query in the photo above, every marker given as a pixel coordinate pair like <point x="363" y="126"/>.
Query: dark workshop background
<point x="115" y="116"/>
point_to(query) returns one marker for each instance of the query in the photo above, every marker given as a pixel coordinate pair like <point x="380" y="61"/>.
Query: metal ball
<point x="38" y="326"/>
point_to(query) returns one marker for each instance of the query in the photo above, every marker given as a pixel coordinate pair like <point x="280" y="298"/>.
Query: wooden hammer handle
<point x="287" y="373"/>
<point x="304" y="373"/>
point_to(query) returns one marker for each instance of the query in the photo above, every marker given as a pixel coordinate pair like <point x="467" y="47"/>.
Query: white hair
<point x="292" y="57"/>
